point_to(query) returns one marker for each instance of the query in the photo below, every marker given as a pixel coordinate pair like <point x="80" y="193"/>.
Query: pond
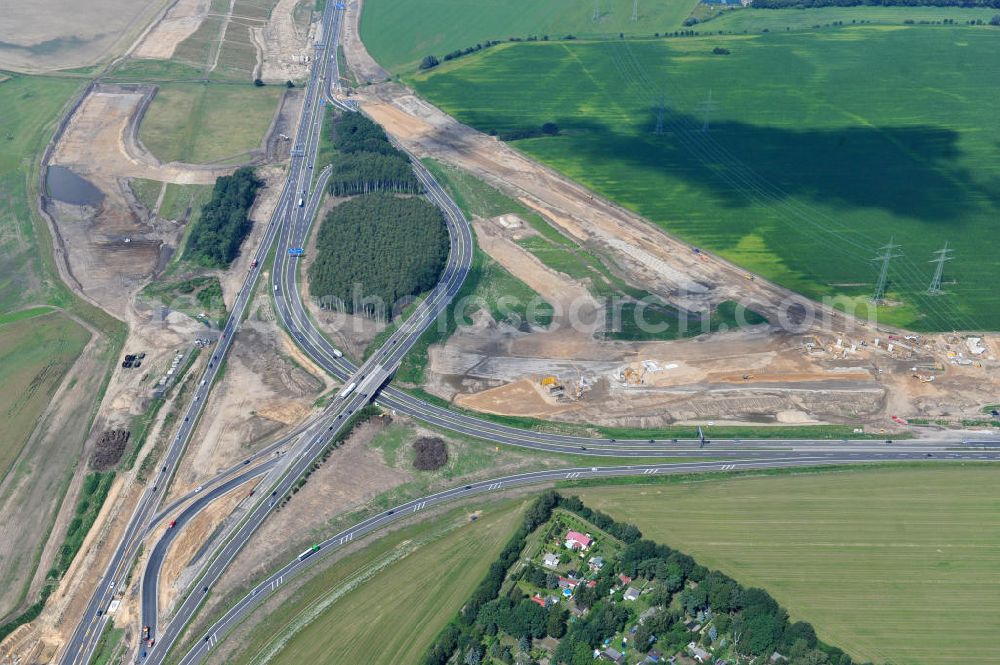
<point x="64" y="185"/>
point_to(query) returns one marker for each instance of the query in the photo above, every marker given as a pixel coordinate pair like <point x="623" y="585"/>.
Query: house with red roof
<point x="567" y="583"/>
<point x="578" y="541"/>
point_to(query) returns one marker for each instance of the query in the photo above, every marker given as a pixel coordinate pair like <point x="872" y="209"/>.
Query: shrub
<point x="431" y="453"/>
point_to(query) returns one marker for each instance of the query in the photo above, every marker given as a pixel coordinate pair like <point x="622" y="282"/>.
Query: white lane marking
<point x="419" y="506"/>
<point x="574" y="474"/>
<point x="728" y="467"/>
<point x="494" y="486"/>
<point x="649" y="472"/>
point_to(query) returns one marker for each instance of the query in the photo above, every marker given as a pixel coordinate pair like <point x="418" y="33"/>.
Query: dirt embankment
<point x="180" y="22"/>
<point x="792" y="371"/>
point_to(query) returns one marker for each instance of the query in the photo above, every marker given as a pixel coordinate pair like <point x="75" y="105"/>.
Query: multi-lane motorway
<point x="289" y="226"/>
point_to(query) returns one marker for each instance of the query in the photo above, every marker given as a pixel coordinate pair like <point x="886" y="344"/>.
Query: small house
<point x="567" y="583"/>
<point x="698" y="653"/>
<point x="624" y="579"/>
<point x="550" y="560"/>
<point x="578" y="541"/>
<point x="596" y="563"/>
<point x="654" y="655"/>
<point x="631" y="593"/>
<point x="539" y="600"/>
<point x="612" y="655"/>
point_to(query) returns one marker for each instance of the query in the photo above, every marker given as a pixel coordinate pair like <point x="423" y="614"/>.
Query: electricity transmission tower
<point x="888" y="252"/>
<point x="635" y="11"/>
<point x="597" y="11"/>
<point x="942" y="256"/>
<point x="661" y="108"/>
<point x="706" y="107"/>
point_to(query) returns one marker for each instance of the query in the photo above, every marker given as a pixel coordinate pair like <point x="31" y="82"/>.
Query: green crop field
<point x="207" y="122"/>
<point x="399" y="33"/>
<point x="822" y="146"/>
<point x="35" y="354"/>
<point x="897" y="565"/>
<point x="756" y="20"/>
<point x="384" y="604"/>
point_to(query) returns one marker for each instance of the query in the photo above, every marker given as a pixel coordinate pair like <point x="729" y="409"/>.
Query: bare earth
<point x="44" y="35"/>
<point x="790" y="372"/>
<point x="180" y="22"/>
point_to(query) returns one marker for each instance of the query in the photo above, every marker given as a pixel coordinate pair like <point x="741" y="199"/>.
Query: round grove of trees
<point x="375" y="252"/>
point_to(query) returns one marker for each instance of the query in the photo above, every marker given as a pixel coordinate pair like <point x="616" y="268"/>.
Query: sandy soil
<point x="286" y="46"/>
<point x="570" y="299"/>
<point x="262" y="393"/>
<point x="42" y="36"/>
<point x="180" y="22"/>
<point x="112" y="250"/>
<point x="187" y="545"/>
<point x="364" y="67"/>
<point x="832" y="384"/>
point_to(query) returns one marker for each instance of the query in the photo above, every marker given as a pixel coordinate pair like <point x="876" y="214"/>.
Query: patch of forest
<point x="377" y="251"/>
<point x="224" y="223"/>
<point x="366" y="161"/>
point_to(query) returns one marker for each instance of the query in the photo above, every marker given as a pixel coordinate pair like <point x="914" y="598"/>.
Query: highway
<point x="289" y="228"/>
<point x="81" y="645"/>
<point x="238" y="612"/>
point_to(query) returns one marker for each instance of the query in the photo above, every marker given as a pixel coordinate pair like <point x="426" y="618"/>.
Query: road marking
<point x="419" y="506"/>
<point x="649" y="472"/>
<point x="346" y="539"/>
<point x="494" y="486"/>
<point x="575" y="474"/>
<point x="728" y="467"/>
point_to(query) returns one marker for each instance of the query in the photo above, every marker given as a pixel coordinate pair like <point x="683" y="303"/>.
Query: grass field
<point x="384" y="604"/>
<point x="35" y="354"/>
<point x="399" y="33"/>
<point x="907" y="153"/>
<point x="895" y="565"/>
<point x="204" y="122"/>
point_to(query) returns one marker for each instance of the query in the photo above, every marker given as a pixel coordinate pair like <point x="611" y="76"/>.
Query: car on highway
<point x="199" y="488"/>
<point x="172" y="524"/>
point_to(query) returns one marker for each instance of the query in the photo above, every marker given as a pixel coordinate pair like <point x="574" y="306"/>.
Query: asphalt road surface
<point x="289" y="225"/>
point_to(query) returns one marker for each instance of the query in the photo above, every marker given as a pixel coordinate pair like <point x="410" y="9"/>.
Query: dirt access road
<point x="795" y="368"/>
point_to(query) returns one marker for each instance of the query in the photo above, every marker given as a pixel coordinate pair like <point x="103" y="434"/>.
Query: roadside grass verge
<point x="385" y="603"/>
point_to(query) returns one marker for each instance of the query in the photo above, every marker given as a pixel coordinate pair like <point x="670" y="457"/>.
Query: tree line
<point x="367" y="162"/>
<point x="755" y="624"/>
<point x="224" y="224"/>
<point x="376" y="251"/>
<point x="796" y="4"/>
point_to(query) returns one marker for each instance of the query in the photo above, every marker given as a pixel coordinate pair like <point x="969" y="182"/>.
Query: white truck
<point x="347" y="390"/>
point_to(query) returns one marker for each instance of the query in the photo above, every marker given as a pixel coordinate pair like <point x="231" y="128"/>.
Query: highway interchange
<point x="280" y="464"/>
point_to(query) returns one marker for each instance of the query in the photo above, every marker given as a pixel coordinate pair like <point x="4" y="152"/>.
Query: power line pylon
<point x="706" y="107"/>
<point x="942" y="256"/>
<point x="635" y="11"/>
<point x="661" y="108"/>
<point x="888" y="252"/>
<point x="597" y="11"/>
